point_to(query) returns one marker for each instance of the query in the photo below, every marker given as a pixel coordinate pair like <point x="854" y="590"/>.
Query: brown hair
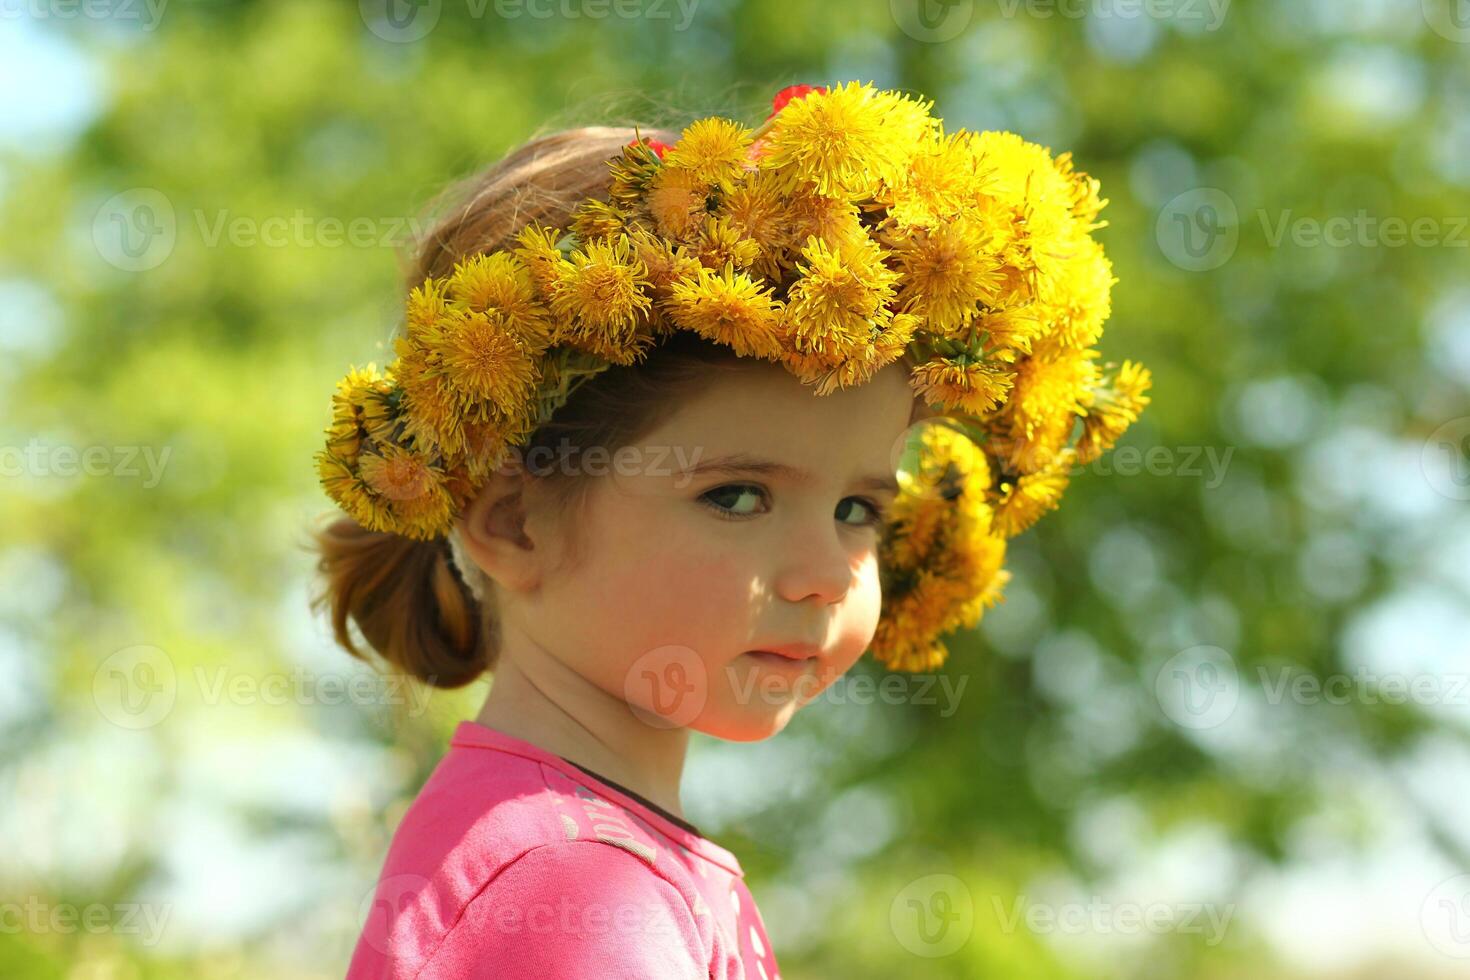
<point x="404" y="596"/>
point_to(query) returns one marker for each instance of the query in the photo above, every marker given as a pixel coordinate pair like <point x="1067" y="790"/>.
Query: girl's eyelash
<point x="876" y="520"/>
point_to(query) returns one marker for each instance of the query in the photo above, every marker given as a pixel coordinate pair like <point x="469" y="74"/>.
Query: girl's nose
<point x="816" y="563"/>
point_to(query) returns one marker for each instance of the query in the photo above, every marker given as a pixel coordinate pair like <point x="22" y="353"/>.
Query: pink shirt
<point x="512" y="862"/>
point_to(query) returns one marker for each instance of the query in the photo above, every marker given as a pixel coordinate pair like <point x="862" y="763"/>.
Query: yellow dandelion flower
<point x="729" y="308"/>
<point x="426" y="303"/>
<point x="809" y="214"/>
<point x="808" y="367"/>
<point x="911" y="627"/>
<point x="398" y="474"/>
<point x="943" y="469"/>
<point x="665" y="262"/>
<point x="1117" y="405"/>
<point x="1082" y="297"/>
<point x="427" y="515"/>
<point x="604" y="285"/>
<point x="1022" y="501"/>
<point x="720" y="241"/>
<point x="841" y="297"/>
<point x="676" y="201"/>
<point x="940" y="563"/>
<point x="602" y="301"/>
<point x="486" y="443"/>
<point x="1049" y="246"/>
<point x="755" y="209"/>
<point x="948" y="272"/>
<point x="632" y="171"/>
<point x="432" y="412"/>
<point x="537" y="249"/>
<point x="1085" y="200"/>
<point x="713" y="149"/>
<point x="1010" y="333"/>
<point x="944" y="180"/>
<point x="858" y="365"/>
<point x="359" y="402"/>
<point x="487" y="366"/>
<point x="1023" y="174"/>
<point x="500" y="285"/>
<point x="397" y="490"/>
<point x="849" y="141"/>
<point x="357" y="500"/>
<point x="1051" y="384"/>
<point x="1018" y="452"/>
<point x="961" y="384"/>
<point x="599" y="219"/>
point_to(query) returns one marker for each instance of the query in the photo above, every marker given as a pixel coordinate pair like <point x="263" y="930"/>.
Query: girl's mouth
<point x="778" y="660"/>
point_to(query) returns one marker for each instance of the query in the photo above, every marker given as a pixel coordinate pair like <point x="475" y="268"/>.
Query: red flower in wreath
<point x="791" y="92"/>
<point x="654" y="145"/>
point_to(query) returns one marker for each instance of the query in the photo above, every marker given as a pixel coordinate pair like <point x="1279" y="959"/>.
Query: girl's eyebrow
<point x="736" y="464"/>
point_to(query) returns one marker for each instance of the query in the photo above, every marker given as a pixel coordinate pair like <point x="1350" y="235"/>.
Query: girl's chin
<point x="749" y="726"/>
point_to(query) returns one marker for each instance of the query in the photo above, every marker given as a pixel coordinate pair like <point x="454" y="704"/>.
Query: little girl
<point x="647" y="453"/>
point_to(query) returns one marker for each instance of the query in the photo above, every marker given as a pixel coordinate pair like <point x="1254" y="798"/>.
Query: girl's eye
<point x="731" y="493"/>
<point x="874" y="513"/>
<point x="726" y="501"/>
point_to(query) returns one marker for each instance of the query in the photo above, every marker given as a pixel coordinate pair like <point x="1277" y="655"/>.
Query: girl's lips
<point x="778" y="660"/>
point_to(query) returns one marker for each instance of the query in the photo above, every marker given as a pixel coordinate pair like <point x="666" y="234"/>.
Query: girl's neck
<point x="536" y="698"/>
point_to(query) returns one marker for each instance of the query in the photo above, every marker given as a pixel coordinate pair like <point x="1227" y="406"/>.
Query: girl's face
<point x="749" y="520"/>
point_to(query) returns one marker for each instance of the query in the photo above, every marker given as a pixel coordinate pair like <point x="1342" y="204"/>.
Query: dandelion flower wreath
<point x="846" y="232"/>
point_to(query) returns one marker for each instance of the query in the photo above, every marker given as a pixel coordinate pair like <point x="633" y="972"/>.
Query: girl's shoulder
<point x="508" y="844"/>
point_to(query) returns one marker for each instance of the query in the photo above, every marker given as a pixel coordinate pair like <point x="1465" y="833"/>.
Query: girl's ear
<point x="493" y="532"/>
